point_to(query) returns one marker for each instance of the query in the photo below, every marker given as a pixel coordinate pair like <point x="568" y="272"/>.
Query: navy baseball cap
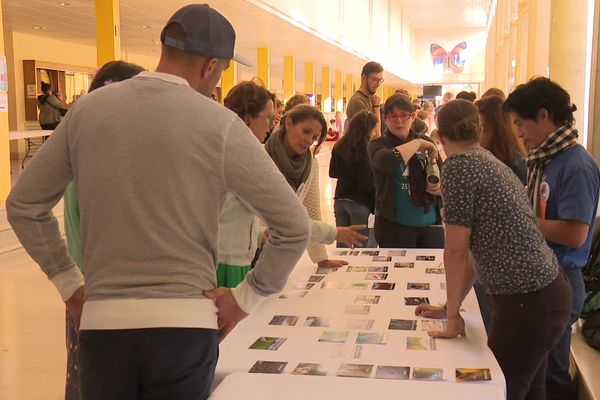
<point x="208" y="33"/>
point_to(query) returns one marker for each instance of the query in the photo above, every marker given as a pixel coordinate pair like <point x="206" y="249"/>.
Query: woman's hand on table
<point x="455" y="326"/>
<point x="430" y="311"/>
<point x="332" y="263"/>
<point x="349" y="236"/>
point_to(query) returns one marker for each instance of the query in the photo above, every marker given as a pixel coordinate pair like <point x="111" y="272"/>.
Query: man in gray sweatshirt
<point x="152" y="159"/>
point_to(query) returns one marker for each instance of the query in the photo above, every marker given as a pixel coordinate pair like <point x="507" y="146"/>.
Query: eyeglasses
<point x="404" y="116"/>
<point x="377" y="80"/>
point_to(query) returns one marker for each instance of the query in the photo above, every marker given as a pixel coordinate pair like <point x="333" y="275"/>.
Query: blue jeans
<point x="348" y="212"/>
<point x="558" y="359"/>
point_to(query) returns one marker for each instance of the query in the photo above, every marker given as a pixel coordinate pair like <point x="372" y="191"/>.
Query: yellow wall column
<point x="380" y="92"/>
<point x="522" y="29"/>
<point x="593" y="142"/>
<point x="339" y="91"/>
<point x="309" y="78"/>
<point x="263" y="66"/>
<point x="568" y="58"/>
<point x="108" y="31"/>
<point x="349" y="90"/>
<point x="228" y="79"/>
<point x="4" y="143"/>
<point x="538" y="44"/>
<point x="289" y="77"/>
<point x="325" y="89"/>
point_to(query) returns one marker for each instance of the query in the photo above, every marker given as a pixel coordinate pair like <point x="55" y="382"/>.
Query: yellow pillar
<point x="108" y="31"/>
<point x="228" y="79"/>
<point x="538" y="44"/>
<point x="289" y="77"/>
<point x="522" y="29"/>
<point x="349" y="87"/>
<point x="339" y="91"/>
<point x="380" y="92"/>
<point x="263" y="66"/>
<point x="309" y="79"/>
<point x="4" y="143"/>
<point x="568" y="60"/>
<point x="325" y="89"/>
<point x="593" y="142"/>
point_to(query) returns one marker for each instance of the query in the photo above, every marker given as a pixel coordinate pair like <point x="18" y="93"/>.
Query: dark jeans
<point x="48" y="127"/>
<point x="156" y="363"/>
<point x="394" y="235"/>
<point x="525" y="327"/>
<point x="72" y="384"/>
<point x="484" y="306"/>
<point x="349" y="212"/>
<point x="558" y="378"/>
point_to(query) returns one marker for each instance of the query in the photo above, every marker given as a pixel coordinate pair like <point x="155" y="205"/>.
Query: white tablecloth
<point x="302" y="343"/>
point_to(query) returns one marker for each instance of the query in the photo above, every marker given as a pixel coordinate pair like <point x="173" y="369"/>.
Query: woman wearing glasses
<point x="406" y="208"/>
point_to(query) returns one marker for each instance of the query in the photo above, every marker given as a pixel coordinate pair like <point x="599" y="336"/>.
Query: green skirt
<point x="231" y="275"/>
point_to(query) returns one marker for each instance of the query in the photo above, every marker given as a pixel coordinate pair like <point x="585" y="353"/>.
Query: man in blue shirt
<point x="563" y="185"/>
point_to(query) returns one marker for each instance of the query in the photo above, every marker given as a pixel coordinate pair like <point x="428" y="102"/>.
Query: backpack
<point x="590" y="328"/>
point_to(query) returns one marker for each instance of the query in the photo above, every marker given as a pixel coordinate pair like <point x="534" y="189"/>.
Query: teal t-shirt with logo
<point x="405" y="211"/>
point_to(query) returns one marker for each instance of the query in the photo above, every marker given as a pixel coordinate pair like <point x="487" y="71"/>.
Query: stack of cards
<point x="404" y="265"/>
<point x="428" y="374"/>
<point x="383" y="286"/>
<point x="417" y="286"/>
<point x="415" y="301"/>
<point x="334" y="337"/>
<point x="425" y="258"/>
<point x="371" y="338"/>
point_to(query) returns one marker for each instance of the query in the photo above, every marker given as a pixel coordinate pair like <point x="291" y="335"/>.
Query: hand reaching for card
<point x="349" y="236"/>
<point x="332" y="263"/>
<point x="228" y="311"/>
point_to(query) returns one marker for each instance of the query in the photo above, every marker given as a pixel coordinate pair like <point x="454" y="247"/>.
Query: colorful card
<point x="359" y="285"/>
<point x="341" y="253"/>
<point x="473" y="374"/>
<point x="366" y="299"/>
<point x="439" y="271"/>
<point x="294" y="295"/>
<point x="355" y="370"/>
<point x="392" y="372"/>
<point x="334" y="285"/>
<point x="425" y="258"/>
<point x="383" y="286"/>
<point x="404" y="265"/>
<point x="344" y="350"/>
<point x="396" y="253"/>
<point x="302" y="286"/>
<point x="267" y="343"/>
<point x="415" y="301"/>
<point x="287" y="320"/>
<point x="334" y="337"/>
<point x="326" y="270"/>
<point x="420" y="343"/>
<point x="378" y="269"/>
<point x="417" y="286"/>
<point x="318" y="322"/>
<point x="376" y="276"/>
<point x="403" y="324"/>
<point x="356" y="309"/>
<point x="382" y="258"/>
<point x="268" y="367"/>
<point x="309" y="369"/>
<point x="428" y="374"/>
<point x="371" y="338"/>
<point x="359" y="323"/>
<point x="429" y="325"/>
<point x="352" y="268"/>
<point x="371" y="253"/>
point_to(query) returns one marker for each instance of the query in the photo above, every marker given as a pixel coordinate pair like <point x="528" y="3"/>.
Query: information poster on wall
<point x="3" y="74"/>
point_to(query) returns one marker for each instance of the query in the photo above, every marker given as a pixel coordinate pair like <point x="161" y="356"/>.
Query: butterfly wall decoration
<point x="451" y="61"/>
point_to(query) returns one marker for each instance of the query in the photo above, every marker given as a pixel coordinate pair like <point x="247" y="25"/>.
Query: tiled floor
<point x="32" y="344"/>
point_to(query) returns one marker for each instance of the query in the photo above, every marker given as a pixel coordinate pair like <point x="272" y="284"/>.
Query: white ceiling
<point x="254" y="26"/>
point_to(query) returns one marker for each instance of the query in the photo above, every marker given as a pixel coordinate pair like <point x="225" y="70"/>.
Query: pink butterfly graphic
<point x="451" y="62"/>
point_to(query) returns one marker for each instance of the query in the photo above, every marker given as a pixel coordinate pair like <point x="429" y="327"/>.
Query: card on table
<point x="433" y="325"/>
<point x="415" y="301"/>
<point x="315" y="278"/>
<point x="352" y="268"/>
<point x="370" y="253"/>
<point x="309" y="369"/>
<point x="378" y="269"/>
<point x="403" y="324"/>
<point x="425" y="258"/>
<point x="319" y="322"/>
<point x="392" y="372"/>
<point x="382" y="258"/>
<point x="376" y="276"/>
<point x="428" y="374"/>
<point x="355" y="370"/>
<point x="267" y="343"/>
<point x="404" y="265"/>
<point x="367" y="299"/>
<point x="326" y="270"/>
<point x="288" y="320"/>
<point x="439" y="271"/>
<point x="294" y="295"/>
<point x="334" y="285"/>
<point x="473" y="374"/>
<point x="383" y="286"/>
<point x="371" y="338"/>
<point x="359" y="285"/>
<point x="268" y="367"/>
<point x="420" y="343"/>
<point x="417" y="286"/>
<point x="334" y="337"/>
<point x="396" y="253"/>
<point x="357" y="309"/>
<point x="355" y="323"/>
<point x="344" y="350"/>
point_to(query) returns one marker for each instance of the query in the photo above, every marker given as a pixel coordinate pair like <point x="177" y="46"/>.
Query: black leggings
<point x="394" y="235"/>
<point x="525" y="327"/>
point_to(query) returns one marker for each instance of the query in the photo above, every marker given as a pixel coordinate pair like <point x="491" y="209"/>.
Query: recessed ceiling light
<point x="64" y="4"/>
<point x="39" y="27"/>
<point x="146" y="26"/>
